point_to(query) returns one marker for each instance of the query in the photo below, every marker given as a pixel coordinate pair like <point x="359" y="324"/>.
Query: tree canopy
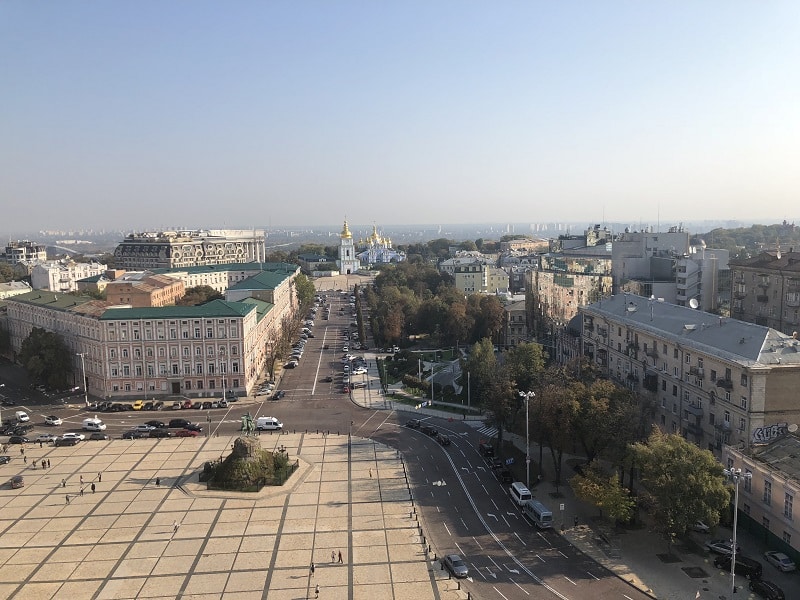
<point x="46" y="358"/>
<point x="195" y="296"/>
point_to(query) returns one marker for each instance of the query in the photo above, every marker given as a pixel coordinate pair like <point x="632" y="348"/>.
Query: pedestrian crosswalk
<point x="488" y="432"/>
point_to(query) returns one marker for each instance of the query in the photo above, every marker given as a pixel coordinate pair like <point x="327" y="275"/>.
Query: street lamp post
<point x="527" y="396"/>
<point x="735" y="475"/>
<point x="83" y="370"/>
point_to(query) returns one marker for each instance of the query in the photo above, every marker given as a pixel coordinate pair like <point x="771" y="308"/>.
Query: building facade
<point x="13" y="288"/>
<point x="144" y="289"/>
<point x="765" y="289"/>
<point x="23" y="251"/>
<point x="712" y="380"/>
<point x="63" y="275"/>
<point x="188" y="248"/>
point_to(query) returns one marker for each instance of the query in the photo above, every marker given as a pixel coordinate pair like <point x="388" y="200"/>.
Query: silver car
<point x="456" y="565"/>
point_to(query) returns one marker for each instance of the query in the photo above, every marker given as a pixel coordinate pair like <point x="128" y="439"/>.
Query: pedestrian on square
<point x="40" y="443"/>
<point x="313" y="568"/>
<point x="93" y="488"/>
<point x="100" y="476"/>
<point x="174" y="527"/>
<point x="63" y="483"/>
<point x="33" y="464"/>
<point x="81" y="491"/>
<point x="158" y="481"/>
<point x="67" y="498"/>
<point x="22" y="451"/>
<point x="340" y="557"/>
<point x="25" y="459"/>
<point x="333" y="555"/>
<point x="316" y="591"/>
<point x="81" y="479"/>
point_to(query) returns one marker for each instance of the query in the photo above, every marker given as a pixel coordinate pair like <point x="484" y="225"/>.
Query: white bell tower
<point x="348" y="261"/>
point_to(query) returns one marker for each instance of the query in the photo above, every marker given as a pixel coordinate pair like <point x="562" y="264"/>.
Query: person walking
<point x="313" y="568"/>
<point x="40" y="443"/>
<point x="63" y="483"/>
<point x="333" y="555"/>
<point x="81" y="479"/>
<point x="25" y="459"/>
<point x="174" y="527"/>
<point x="158" y="481"/>
<point x="100" y="476"/>
<point x="316" y="591"/>
<point x="340" y="557"/>
<point x="93" y="488"/>
<point x="80" y="492"/>
<point x="67" y="498"/>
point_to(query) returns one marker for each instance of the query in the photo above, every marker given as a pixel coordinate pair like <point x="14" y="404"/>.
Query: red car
<point x="186" y="433"/>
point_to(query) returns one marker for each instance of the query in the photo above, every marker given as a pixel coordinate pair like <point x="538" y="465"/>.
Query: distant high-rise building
<point x="23" y="251"/>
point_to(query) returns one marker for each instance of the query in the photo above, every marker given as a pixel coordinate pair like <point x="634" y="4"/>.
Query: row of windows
<point x="173" y="352"/>
<point x="165" y="370"/>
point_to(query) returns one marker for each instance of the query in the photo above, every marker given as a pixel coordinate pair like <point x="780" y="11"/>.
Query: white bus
<point x="537" y="512"/>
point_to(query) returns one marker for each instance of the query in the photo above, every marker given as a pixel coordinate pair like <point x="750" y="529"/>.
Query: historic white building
<point x="348" y="261"/>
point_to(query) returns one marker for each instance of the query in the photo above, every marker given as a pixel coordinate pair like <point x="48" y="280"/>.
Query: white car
<point x="78" y="436"/>
<point x="360" y="371"/>
<point x="780" y="560"/>
<point x="52" y="420"/>
<point x="45" y="438"/>
<point x="144" y="428"/>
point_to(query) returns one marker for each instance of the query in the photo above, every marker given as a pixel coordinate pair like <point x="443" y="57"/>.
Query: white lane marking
<point x="520" y="539"/>
<point x="499" y="592"/>
<point x="520" y="587"/>
<point x="570" y="580"/>
<point x="447" y="529"/>
<point x="477" y="543"/>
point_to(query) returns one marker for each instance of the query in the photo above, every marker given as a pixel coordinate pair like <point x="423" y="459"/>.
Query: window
<point x="674" y="409"/>
<point x="728" y="374"/>
<point x="124" y="353"/>
<point x="126" y="370"/>
<point x="187" y="369"/>
<point x="199" y="368"/>
<point x="138" y="370"/>
<point x="688" y="358"/>
<point x="699" y="362"/>
<point x="727" y="396"/>
<point x="113" y="353"/>
<point x="711" y="418"/>
<point x="743" y="402"/>
<point x="767" y="498"/>
<point x="748" y="481"/>
<point x="235" y="367"/>
<point x="713" y="375"/>
<point x="674" y="390"/>
<point x="742" y="424"/>
<point x="199" y="384"/>
<point x="209" y="332"/>
<point x="664" y="348"/>
<point x="675" y="371"/>
<point x="788" y="500"/>
<point x="197" y="333"/>
<point x="663" y="385"/>
<point x="137" y="353"/>
<point x="675" y="353"/>
<point x="744" y="380"/>
<point x="187" y="384"/>
<point x="787" y="538"/>
<point x="727" y="417"/>
<point x="663" y="403"/>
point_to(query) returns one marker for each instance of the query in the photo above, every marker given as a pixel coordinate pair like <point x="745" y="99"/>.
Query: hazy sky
<point x="140" y="114"/>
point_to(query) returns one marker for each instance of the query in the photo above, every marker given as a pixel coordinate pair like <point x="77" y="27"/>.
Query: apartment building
<point x="144" y="289"/>
<point x="188" y="248"/>
<point x="515" y="325"/>
<point x="477" y="277"/>
<point x="766" y="498"/>
<point x="765" y="289"/>
<point x="713" y="380"/>
<point x="63" y="275"/>
<point x="23" y="251"/>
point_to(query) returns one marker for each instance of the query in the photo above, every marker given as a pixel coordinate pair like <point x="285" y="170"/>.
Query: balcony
<point x="740" y="294"/>
<point x="762" y="298"/>
<point x="792" y="300"/>
<point x="652" y="353"/>
<point x="725" y="384"/>
<point x="697" y="372"/>
<point x="694" y="409"/>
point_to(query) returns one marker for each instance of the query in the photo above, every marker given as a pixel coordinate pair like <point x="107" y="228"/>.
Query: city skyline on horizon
<point x="398" y="113"/>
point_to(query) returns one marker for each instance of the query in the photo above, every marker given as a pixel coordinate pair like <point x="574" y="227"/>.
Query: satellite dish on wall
<point x="694" y="303"/>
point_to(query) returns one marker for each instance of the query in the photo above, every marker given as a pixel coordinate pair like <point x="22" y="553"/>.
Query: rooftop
<point x="213" y="309"/>
<point x="748" y="344"/>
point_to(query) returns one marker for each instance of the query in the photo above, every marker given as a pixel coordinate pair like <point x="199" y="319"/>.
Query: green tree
<point x="525" y="365"/>
<point x="46" y="358"/>
<point x="305" y="292"/>
<point x="605" y="492"/>
<point x="557" y="409"/>
<point x="6" y="273"/>
<point x="481" y="364"/>
<point x="681" y="483"/>
<point x="195" y="296"/>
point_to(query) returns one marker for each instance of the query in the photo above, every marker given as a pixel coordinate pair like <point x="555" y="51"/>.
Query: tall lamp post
<point x="83" y="370"/>
<point x="735" y="475"/>
<point x="527" y="396"/>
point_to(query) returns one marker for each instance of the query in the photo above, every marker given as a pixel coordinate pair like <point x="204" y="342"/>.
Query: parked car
<point x="194" y="427"/>
<point x="280" y="394"/>
<point x="780" y="560"/>
<point x="206" y="405"/>
<point x="137" y="405"/>
<point x="5" y="459"/>
<point x="746" y="566"/>
<point x="45" y="438"/>
<point x="766" y="589"/>
<point x="186" y="433"/>
<point x="428" y="430"/>
<point x="18" y="439"/>
<point x="699" y="527"/>
<point x="67" y="441"/>
<point x="456" y="565"/>
<point x="52" y="420"/>
<point x="485" y="449"/>
<point x="17" y="481"/>
<point x="505" y="476"/>
<point x="133" y="435"/>
<point x="721" y="546"/>
<point x="144" y="428"/>
<point x="178" y="423"/>
<point x="413" y="423"/>
<point x="78" y="436"/>
<point x="177" y="406"/>
<point x="443" y="439"/>
<point x="156" y="424"/>
<point x="96" y="436"/>
<point x="159" y="433"/>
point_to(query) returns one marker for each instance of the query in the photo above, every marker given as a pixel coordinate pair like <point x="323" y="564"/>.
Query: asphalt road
<point x="463" y="508"/>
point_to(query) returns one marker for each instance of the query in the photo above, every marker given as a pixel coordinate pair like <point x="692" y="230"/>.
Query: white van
<point x="22" y="416"/>
<point x="519" y="493"/>
<point x="537" y="512"/>
<point x="268" y="424"/>
<point x="93" y="424"/>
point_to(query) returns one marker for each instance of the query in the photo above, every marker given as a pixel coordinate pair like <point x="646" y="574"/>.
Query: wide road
<point x="462" y="506"/>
